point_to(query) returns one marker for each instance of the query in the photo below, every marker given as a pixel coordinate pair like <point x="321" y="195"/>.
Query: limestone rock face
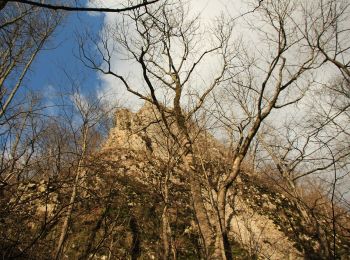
<point x="126" y="180"/>
<point x="263" y="221"/>
<point x="253" y="224"/>
<point x="144" y="131"/>
<point x="134" y="131"/>
<point x="37" y="196"/>
<point x="126" y="133"/>
<point x="255" y="230"/>
<point x="259" y="234"/>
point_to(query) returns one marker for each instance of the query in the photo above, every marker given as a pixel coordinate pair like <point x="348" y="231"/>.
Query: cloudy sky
<point x="61" y="57"/>
<point x="54" y="66"/>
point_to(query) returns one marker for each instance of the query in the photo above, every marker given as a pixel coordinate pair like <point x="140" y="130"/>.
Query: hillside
<point x="127" y="189"/>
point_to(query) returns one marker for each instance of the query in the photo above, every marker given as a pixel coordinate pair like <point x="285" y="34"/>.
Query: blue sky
<point x="61" y="54"/>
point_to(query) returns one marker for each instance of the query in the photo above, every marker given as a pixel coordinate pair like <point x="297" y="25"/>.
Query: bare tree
<point x="76" y="7"/>
<point x="267" y="83"/>
<point x="191" y="85"/>
<point x="25" y="199"/>
<point x="326" y="29"/>
<point x="304" y="155"/>
<point x="23" y="34"/>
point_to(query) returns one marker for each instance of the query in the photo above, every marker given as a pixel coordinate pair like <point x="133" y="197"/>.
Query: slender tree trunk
<point x="79" y="173"/>
<point x="198" y="204"/>
<point x="166" y="233"/>
<point x="20" y="79"/>
<point x="201" y="215"/>
<point x="200" y="211"/>
<point x="135" y="250"/>
<point x="91" y="239"/>
<point x="188" y="158"/>
<point x="222" y="248"/>
<point x="67" y="217"/>
<point x="111" y="246"/>
<point x="218" y="203"/>
<point x="166" y="230"/>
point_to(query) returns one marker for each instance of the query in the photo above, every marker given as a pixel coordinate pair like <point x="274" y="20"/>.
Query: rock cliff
<point x="263" y="222"/>
<point x="128" y="184"/>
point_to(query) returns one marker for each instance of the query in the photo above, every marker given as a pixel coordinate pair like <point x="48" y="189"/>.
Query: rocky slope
<point x="263" y="221"/>
<point x="119" y="212"/>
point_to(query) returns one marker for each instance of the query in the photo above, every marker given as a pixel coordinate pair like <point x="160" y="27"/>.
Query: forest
<point x="187" y="129"/>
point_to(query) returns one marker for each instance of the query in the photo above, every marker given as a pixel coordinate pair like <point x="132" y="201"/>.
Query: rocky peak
<point x="124" y="119"/>
<point x="143" y="131"/>
<point x="130" y="132"/>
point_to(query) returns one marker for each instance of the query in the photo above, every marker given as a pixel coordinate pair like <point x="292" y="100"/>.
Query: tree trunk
<point x="201" y="215"/>
<point x="195" y="183"/>
<point x="79" y="173"/>
<point x="135" y="250"/>
<point x="198" y="204"/>
<point x="166" y="234"/>
<point x="64" y="228"/>
<point x="222" y="245"/>
<point x="166" y="230"/>
<point x="92" y="236"/>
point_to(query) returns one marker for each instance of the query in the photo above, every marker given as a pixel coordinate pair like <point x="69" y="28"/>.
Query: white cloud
<point x="112" y="87"/>
<point x="49" y="94"/>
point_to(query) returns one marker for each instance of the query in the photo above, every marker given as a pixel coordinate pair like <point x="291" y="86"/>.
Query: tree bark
<point x="165" y="233"/>
<point x="67" y="217"/>
<point x="166" y="230"/>
<point x="92" y="236"/>
<point x="190" y="167"/>
<point x="222" y="247"/>
<point x="198" y="204"/>
<point x="79" y="173"/>
<point x="201" y="215"/>
<point x="135" y="250"/>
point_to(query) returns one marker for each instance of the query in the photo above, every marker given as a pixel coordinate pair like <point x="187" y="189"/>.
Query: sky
<point x="53" y="69"/>
<point x="49" y="71"/>
<point x="59" y="60"/>
<point x="208" y="10"/>
<point x="53" y="66"/>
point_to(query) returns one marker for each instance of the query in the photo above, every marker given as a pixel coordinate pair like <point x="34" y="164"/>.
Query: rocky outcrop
<point x="38" y="196"/>
<point x="264" y="221"/>
<point x="144" y="131"/>
<point x="121" y="203"/>
<point x="252" y="218"/>
<point x="254" y="228"/>
<point x="137" y="131"/>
